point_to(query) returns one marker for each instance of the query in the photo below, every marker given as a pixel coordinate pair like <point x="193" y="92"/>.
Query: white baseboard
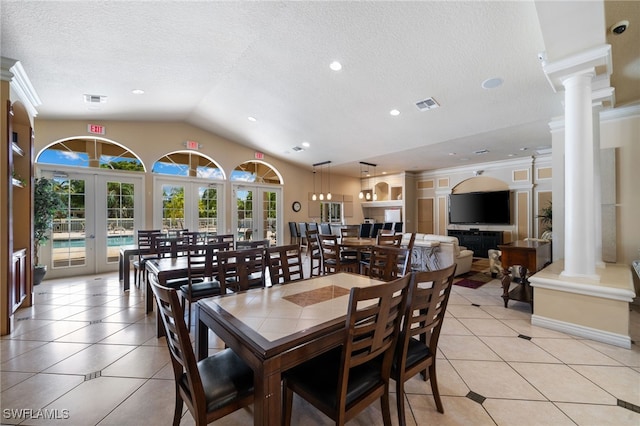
<point x="582" y="331"/>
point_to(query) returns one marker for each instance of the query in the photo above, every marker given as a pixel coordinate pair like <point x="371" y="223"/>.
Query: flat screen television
<point x="480" y="208"/>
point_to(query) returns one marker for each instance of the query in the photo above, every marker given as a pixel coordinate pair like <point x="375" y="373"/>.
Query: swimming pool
<point x="112" y="241"/>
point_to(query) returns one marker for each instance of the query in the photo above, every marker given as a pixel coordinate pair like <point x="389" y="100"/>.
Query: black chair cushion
<point x="319" y="376"/>
<point x="225" y="378"/>
<point x="346" y="261"/>
<point x="417" y="351"/>
<point x="203" y="288"/>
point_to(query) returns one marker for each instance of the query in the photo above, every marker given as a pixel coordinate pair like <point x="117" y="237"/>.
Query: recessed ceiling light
<point x="524" y="149"/>
<point x="252" y="119"/>
<point x="306" y="144"/>
<point x="511" y="155"/>
<point x="394" y="112"/>
<point x="384" y="173"/>
<point x="335" y="65"/>
<point x="137" y="92"/>
<point x="452" y="153"/>
<point x="492" y="83"/>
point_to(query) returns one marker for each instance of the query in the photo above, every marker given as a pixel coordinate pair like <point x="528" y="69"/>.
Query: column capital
<point x="596" y="60"/>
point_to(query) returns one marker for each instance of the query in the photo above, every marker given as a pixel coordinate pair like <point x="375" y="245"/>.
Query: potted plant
<point x="45" y="205"/>
<point x="546" y="218"/>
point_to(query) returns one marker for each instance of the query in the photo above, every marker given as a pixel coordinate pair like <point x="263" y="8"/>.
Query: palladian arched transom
<point x="91" y="152"/>
<point x="256" y="171"/>
<point x="188" y="163"/>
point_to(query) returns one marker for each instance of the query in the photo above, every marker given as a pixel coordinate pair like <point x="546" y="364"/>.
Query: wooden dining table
<point x="276" y="328"/>
<point x="359" y="245"/>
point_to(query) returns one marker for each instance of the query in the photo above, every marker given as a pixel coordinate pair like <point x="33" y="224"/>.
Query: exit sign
<point x="192" y="145"/>
<point x="259" y="156"/>
<point x="96" y="129"/>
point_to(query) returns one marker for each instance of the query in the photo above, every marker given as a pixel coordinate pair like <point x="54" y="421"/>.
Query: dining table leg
<point x="267" y="403"/>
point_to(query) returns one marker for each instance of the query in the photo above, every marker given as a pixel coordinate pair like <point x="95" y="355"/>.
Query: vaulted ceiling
<point x="215" y="64"/>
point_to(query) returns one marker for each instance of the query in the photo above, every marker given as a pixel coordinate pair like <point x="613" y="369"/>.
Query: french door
<point x="102" y="211"/>
<point x="193" y="204"/>
<point x="257" y="213"/>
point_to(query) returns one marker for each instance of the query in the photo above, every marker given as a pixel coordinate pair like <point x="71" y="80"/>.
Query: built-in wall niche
<point x="382" y="191"/>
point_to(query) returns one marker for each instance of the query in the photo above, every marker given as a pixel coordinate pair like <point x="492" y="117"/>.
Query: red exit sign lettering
<point x="259" y="156"/>
<point x="96" y="129"/>
<point x="192" y="145"/>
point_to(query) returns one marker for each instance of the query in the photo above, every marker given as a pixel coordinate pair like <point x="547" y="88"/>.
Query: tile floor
<point x="88" y="354"/>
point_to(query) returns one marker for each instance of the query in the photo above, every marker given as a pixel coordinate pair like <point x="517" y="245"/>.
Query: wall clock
<point x="296" y="206"/>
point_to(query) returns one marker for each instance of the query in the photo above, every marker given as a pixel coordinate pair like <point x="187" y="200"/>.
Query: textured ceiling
<point x="213" y="64"/>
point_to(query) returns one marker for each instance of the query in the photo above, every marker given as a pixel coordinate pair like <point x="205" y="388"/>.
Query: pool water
<point x="112" y="241"/>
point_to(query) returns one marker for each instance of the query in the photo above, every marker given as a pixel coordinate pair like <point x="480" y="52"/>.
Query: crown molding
<point x="14" y="73"/>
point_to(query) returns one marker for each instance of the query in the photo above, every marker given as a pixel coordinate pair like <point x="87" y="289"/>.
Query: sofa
<point x="439" y="251"/>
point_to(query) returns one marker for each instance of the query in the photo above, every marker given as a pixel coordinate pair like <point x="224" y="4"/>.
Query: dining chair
<point x="365" y="230"/>
<point x="302" y="232"/>
<point x="314" y="252"/>
<point x="386" y="263"/>
<point x="375" y="229"/>
<point x="241" y="270"/>
<point x="285" y="264"/>
<point x="409" y="247"/>
<point x="202" y="274"/>
<point x="349" y="232"/>
<point x="211" y="388"/>
<point x="293" y="232"/>
<point x="394" y="240"/>
<point x="146" y="249"/>
<point x="243" y="245"/>
<point x="325" y="229"/>
<point x="418" y="342"/>
<point x="332" y="260"/>
<point x="346" y="380"/>
<point x="229" y="239"/>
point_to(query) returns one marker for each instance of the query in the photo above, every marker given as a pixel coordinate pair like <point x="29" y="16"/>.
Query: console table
<point x="478" y="241"/>
<point x="530" y="256"/>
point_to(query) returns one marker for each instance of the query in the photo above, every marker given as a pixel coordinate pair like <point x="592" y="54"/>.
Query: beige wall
<point x="519" y="176"/>
<point x="151" y="140"/>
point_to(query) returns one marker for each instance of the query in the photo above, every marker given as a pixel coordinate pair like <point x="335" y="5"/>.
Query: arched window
<point x="188" y="163"/>
<point x="90" y="152"/>
<point x="256" y="171"/>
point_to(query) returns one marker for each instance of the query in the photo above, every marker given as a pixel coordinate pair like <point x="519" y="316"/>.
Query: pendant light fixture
<point x="367" y="196"/>
<point x="375" y="195"/>
<point x="314" y="197"/>
<point x="329" y="190"/>
<point x="361" y="194"/>
<point x="321" y="196"/>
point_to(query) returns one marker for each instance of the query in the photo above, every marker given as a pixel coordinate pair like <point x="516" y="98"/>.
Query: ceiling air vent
<point x="297" y="149"/>
<point x="95" y="99"/>
<point x="428" y="103"/>
<point x="481" y="151"/>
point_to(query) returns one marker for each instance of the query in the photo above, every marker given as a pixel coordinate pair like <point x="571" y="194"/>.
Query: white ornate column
<point x="579" y="177"/>
<point x="597" y="188"/>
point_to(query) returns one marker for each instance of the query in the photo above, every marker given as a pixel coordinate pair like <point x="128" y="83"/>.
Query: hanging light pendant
<point x="321" y="196"/>
<point x="375" y="195"/>
<point x="367" y="195"/>
<point x="314" y="197"/>
<point x="361" y="194"/>
<point x="329" y="190"/>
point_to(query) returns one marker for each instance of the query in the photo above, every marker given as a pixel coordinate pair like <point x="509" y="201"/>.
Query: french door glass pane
<point x="172" y="207"/>
<point x="244" y="200"/>
<point x="269" y="215"/>
<point x="120" y="217"/>
<point x="208" y="209"/>
<point x="68" y="242"/>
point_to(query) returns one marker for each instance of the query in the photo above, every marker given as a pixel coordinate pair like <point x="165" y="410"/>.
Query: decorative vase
<point x="39" y="272"/>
